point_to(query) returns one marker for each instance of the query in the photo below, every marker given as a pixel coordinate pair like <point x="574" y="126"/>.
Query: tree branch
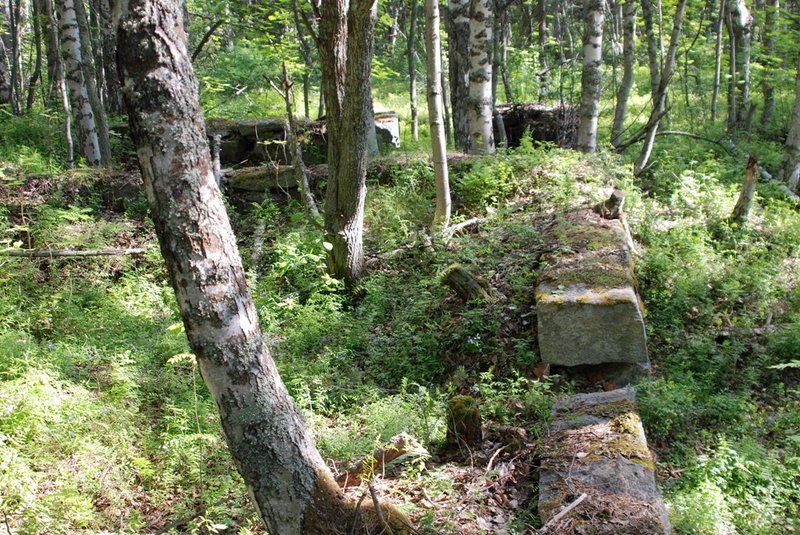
<point x="199" y="48"/>
<point x="69" y="252"/>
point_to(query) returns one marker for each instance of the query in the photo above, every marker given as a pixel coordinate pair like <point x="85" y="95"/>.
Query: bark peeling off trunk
<point x="290" y="485"/>
<point x="592" y="75"/>
<point x="481" y="138"/>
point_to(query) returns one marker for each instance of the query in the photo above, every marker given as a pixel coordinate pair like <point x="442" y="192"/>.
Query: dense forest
<point x="399" y="266"/>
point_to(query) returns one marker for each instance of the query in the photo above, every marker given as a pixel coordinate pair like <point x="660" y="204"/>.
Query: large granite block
<point x="597" y="446"/>
<point x="588" y="308"/>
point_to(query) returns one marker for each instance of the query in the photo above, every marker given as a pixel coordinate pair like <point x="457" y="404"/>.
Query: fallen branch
<point x="398" y="446"/>
<point x="26" y="253"/>
<point x="564" y="512"/>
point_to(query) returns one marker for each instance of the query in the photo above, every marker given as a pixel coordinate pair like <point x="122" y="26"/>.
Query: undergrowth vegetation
<point x="105" y="423"/>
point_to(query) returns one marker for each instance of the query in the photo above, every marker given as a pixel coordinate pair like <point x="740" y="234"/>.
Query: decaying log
<point x="742" y="208"/>
<point x="60" y="253"/>
<point x="399" y="446"/>
<point x="465" y="284"/>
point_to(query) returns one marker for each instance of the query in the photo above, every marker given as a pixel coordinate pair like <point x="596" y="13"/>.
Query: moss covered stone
<point x="463" y="421"/>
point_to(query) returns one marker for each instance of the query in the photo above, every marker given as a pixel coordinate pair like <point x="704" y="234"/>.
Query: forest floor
<point x="105" y="425"/>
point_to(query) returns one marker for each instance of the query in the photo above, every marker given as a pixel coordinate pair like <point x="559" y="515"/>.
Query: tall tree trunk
<point x="767" y="85"/>
<point x="592" y="75"/>
<point x="660" y="105"/>
<point x="109" y="46"/>
<point x="628" y="57"/>
<point x="499" y="124"/>
<point x="544" y="69"/>
<point x="5" y="75"/>
<point x="502" y="64"/>
<point x="17" y="19"/>
<point x="717" y="61"/>
<point x="433" y="47"/>
<point x="308" y="58"/>
<point x="741" y="29"/>
<point x="291" y="487"/>
<point x="653" y="61"/>
<point x="790" y="166"/>
<point x="457" y="24"/>
<point x="37" y="63"/>
<point x="481" y="138"/>
<point x="89" y="75"/>
<point x="345" y="48"/>
<point x="300" y="171"/>
<point x="412" y="69"/>
<point x="445" y="100"/>
<point x="79" y="96"/>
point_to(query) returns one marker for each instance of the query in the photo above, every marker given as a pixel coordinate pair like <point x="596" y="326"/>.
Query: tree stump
<point x="465" y="284"/>
<point x="463" y="422"/>
<point x="742" y="208"/>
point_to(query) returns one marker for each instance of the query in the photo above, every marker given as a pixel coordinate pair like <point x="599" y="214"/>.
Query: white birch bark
<point x="591" y="76"/>
<point x="433" y="46"/>
<point x="290" y="485"/>
<point x="481" y="137"/>
<point x="79" y="96"/>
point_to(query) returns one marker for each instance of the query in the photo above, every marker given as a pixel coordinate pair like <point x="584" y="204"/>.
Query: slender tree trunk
<point x="62" y="91"/>
<point x="660" y="105"/>
<point x="767" y="85"/>
<point x="480" y="77"/>
<point x="308" y="57"/>
<point x="412" y="69"/>
<point x="458" y="31"/>
<point x="5" y="75"/>
<point x="502" y="43"/>
<point x="544" y="69"/>
<point x="109" y="46"/>
<point x="37" y="66"/>
<point x="291" y="487"/>
<point x="445" y="100"/>
<point x="592" y="75"/>
<point x="345" y="39"/>
<point x="717" y="61"/>
<point x="79" y="96"/>
<point x="741" y="29"/>
<point x="499" y="124"/>
<point x="89" y="75"/>
<point x="433" y="47"/>
<point x="790" y="166"/>
<point x="628" y="45"/>
<point x="300" y="171"/>
<point x="652" y="47"/>
<point x="17" y="18"/>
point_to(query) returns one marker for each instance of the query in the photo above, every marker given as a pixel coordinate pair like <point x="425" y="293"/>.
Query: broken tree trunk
<point x="465" y="284"/>
<point x="742" y="208"/>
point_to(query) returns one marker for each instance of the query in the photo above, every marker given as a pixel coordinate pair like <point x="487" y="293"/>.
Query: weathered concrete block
<point x="597" y="446"/>
<point x="588" y="308"/>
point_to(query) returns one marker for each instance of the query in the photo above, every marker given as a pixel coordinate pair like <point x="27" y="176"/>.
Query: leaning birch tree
<point x="433" y="49"/>
<point x="591" y="75"/>
<point x="291" y="487"/>
<point x="481" y="103"/>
